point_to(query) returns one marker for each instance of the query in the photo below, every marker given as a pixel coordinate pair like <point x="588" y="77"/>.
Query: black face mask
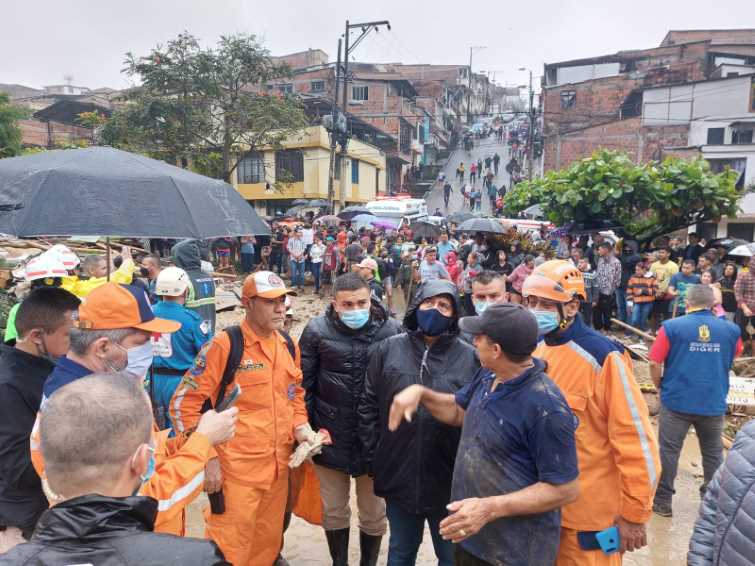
<point x="144" y="271"/>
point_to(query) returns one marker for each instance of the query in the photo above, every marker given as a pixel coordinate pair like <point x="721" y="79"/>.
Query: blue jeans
<point x="163" y="389"/>
<point x="621" y="304"/>
<point x="640" y="314"/>
<point x="297" y="273"/>
<point x="316" y="267"/>
<point x="406" y="536"/>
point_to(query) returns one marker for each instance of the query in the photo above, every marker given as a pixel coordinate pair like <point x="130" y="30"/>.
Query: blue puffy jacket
<point x="724" y="533"/>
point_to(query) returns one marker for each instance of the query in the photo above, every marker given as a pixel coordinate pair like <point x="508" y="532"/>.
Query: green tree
<point x="10" y="133"/>
<point x="647" y="200"/>
<point x="194" y="105"/>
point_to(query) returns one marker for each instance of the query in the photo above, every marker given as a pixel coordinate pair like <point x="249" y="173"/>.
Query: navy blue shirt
<point x="65" y="372"/>
<point x="517" y="435"/>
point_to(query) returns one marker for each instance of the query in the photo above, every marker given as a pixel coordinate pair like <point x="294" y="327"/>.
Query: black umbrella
<point x="351" y="211"/>
<point x="101" y="191"/>
<point x="422" y="229"/>
<point x="459" y="217"/>
<point x="294" y="211"/>
<point x="727" y="243"/>
<point x="300" y="202"/>
<point x="487" y="225"/>
<point x="319" y="203"/>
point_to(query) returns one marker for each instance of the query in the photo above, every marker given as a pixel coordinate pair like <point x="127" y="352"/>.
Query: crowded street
<point x="387" y="284"/>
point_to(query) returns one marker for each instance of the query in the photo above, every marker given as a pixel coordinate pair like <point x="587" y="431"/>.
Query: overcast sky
<point x="45" y="40"/>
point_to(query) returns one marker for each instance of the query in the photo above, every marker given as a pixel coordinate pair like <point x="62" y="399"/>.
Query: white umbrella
<point x="745" y="250"/>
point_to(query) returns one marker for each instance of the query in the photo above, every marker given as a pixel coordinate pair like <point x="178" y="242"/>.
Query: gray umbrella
<point x="101" y="191"/>
<point x="487" y="225"/>
<point x="459" y="217"/>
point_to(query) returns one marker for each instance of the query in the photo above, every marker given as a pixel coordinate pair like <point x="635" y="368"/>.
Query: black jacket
<point x="108" y="531"/>
<point x="22" y="377"/>
<point x="413" y="466"/>
<point x="334" y="361"/>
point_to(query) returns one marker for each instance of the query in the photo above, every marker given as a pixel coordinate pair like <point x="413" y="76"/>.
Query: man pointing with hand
<point x="517" y="461"/>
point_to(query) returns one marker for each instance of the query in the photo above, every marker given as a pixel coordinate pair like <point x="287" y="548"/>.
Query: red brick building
<point x="596" y="103"/>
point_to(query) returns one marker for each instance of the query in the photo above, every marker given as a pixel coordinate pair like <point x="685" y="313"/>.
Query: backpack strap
<point x="231" y="365"/>
<point x="289" y="344"/>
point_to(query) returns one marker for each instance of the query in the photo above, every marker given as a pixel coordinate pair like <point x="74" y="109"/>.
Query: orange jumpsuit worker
<point x="616" y="446"/>
<point x="252" y="468"/>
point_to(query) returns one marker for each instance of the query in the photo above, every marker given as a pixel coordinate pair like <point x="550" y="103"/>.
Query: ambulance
<point x="400" y="211"/>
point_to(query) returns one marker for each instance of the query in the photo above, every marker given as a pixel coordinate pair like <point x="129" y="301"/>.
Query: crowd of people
<point x="494" y="413"/>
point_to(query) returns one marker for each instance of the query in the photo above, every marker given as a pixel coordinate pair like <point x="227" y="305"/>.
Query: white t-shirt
<point x="316" y="252"/>
<point x="307" y="236"/>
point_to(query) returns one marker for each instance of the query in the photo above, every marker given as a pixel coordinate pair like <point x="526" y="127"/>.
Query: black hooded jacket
<point x="413" y="466"/>
<point x="187" y="255"/>
<point x="108" y="531"/>
<point x="334" y="361"/>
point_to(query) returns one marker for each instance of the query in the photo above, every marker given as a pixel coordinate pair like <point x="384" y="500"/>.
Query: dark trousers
<point x="602" y="312"/>
<point x="463" y="558"/>
<point x="586" y="311"/>
<point x="446" y="196"/>
<point x="247" y="263"/>
<point x="316" y="268"/>
<point x="661" y="311"/>
<point x="406" y="536"/>
<point x="672" y="430"/>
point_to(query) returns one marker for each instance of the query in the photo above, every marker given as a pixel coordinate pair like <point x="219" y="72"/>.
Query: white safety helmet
<point x="69" y="259"/>
<point x="44" y="266"/>
<point x="172" y="281"/>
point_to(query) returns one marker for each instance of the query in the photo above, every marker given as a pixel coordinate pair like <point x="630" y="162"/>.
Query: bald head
<point x="90" y="430"/>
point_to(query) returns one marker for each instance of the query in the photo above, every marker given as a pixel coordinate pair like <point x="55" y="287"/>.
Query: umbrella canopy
<point x="727" y="243"/>
<point x="300" y="202"/>
<point x="385" y="224"/>
<point x="424" y="229"/>
<point x="459" y="217"/>
<point x="329" y="220"/>
<point x="351" y="211"/>
<point x="534" y="211"/>
<point x="319" y="203"/>
<point x="486" y="225"/>
<point x="294" y="211"/>
<point x="361" y="220"/>
<point x="746" y="250"/>
<point x="101" y="191"/>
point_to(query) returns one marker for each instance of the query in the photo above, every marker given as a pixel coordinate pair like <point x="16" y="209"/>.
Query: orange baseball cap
<point x="265" y="284"/>
<point x="112" y="306"/>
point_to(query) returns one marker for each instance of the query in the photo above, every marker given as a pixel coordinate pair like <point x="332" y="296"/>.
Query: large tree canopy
<point x="646" y="200"/>
<point x="10" y="134"/>
<point x="204" y="105"/>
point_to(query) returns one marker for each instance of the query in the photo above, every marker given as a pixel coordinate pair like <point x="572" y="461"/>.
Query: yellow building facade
<point x="270" y="179"/>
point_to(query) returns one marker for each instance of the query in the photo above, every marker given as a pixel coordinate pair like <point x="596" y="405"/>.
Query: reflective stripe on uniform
<point x="644" y="442"/>
<point x="181" y="493"/>
<point x="585" y="355"/>
<point x="177" y="398"/>
<point x="200" y="302"/>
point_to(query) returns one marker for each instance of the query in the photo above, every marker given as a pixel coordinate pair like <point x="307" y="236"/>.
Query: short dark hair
<point x="90" y="428"/>
<point x="605" y="245"/>
<point x="711" y="256"/>
<point x="45" y="308"/>
<point x="689" y="261"/>
<point x="665" y="249"/>
<point x="349" y="282"/>
<point x="486" y="276"/>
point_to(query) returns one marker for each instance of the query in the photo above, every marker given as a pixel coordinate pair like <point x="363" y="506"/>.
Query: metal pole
<point x="334" y="113"/>
<point x="531" y="136"/>
<point x="344" y="102"/>
<point x="107" y="259"/>
<point x="469" y="91"/>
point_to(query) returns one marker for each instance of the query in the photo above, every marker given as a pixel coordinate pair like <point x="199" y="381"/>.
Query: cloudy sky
<point x="45" y="40"/>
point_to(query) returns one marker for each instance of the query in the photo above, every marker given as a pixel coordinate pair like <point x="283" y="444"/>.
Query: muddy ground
<point x="668" y="537"/>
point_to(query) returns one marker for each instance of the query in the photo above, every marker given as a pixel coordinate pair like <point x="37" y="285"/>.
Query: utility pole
<point x="469" y="91"/>
<point x="531" y="132"/>
<point x="334" y="115"/>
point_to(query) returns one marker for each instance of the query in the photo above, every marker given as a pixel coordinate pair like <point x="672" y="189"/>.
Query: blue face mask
<point x="481" y="306"/>
<point x="432" y="322"/>
<point x="547" y="321"/>
<point x="150" y="466"/>
<point x="355" y="319"/>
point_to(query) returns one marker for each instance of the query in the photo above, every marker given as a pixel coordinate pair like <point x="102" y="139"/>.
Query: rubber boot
<point x="338" y="544"/>
<point x="369" y="547"/>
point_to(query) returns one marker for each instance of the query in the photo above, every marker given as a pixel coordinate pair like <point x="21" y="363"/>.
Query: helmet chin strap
<point x="564" y="319"/>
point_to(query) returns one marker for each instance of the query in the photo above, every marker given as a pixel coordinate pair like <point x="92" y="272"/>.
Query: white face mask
<point x="139" y="359"/>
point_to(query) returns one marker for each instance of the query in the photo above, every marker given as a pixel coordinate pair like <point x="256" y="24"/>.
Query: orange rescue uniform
<point x="616" y="446"/>
<point x="177" y="481"/>
<point x="254" y="463"/>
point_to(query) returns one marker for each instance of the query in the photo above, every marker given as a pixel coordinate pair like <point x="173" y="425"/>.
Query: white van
<point x="398" y="210"/>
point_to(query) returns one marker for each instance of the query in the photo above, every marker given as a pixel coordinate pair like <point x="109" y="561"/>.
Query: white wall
<point x="565" y="75"/>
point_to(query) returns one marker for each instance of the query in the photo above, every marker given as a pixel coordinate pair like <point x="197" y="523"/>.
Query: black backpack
<point x="234" y="359"/>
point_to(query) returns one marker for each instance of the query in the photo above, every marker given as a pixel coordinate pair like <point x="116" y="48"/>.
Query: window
<point x="251" y="168"/>
<point x="289" y="166"/>
<point x="752" y="96"/>
<point x="317" y="86"/>
<point x="286" y="88"/>
<point x="359" y="93"/>
<point x="715" y="136"/>
<point x="739" y="137"/>
<point x="739" y="230"/>
<point x="355" y="171"/>
<point x="568" y="99"/>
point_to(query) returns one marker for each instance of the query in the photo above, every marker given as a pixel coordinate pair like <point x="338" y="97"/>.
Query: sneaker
<point x="662" y="509"/>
